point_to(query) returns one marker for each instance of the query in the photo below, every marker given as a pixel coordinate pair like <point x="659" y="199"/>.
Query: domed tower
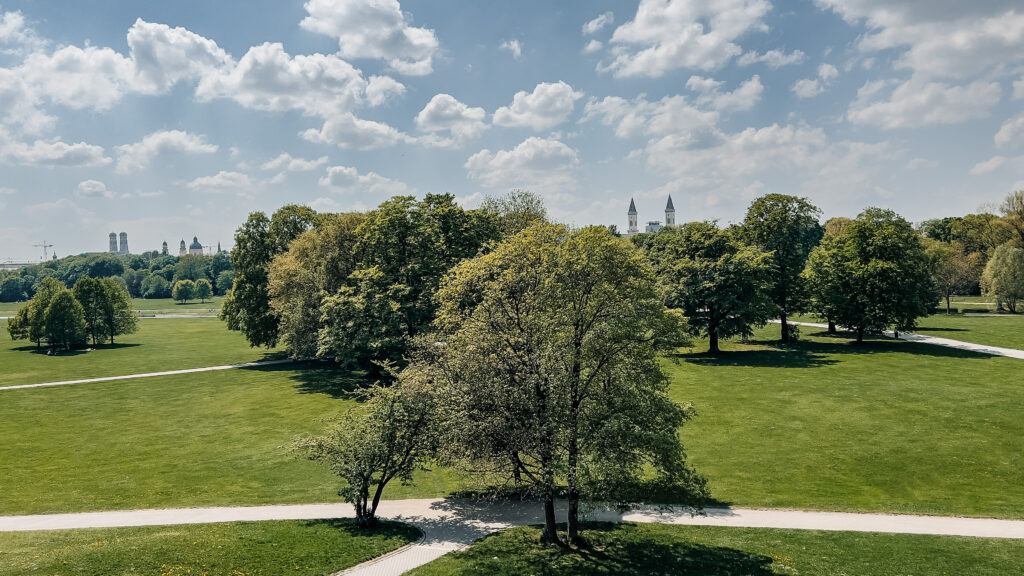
<point x="670" y="213"/>
<point x="113" y="243"/>
<point x="195" y="249"/>
<point x="123" y="248"/>
<point x="181" y="249"/>
<point x="633" y="229"/>
<point x="163" y="249"/>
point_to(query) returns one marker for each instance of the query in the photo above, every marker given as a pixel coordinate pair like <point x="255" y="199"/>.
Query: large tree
<point x="183" y="291"/>
<point x="787" y="227"/>
<point x="119" y="318"/>
<point x="516" y="210"/>
<point x="954" y="271"/>
<point x="1004" y="276"/>
<point x="91" y="295"/>
<point x="873" y="276"/>
<point x="719" y="282"/>
<point x="1013" y="215"/>
<point x="65" y="321"/>
<point x="546" y="359"/>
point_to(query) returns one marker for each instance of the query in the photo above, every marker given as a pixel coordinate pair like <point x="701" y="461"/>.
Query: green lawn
<point x="1002" y="330"/>
<point x="158" y="345"/>
<point x="146" y="306"/>
<point x="713" y="551"/>
<point x="826" y="424"/>
<point x="292" y="547"/>
<point x="217" y="438"/>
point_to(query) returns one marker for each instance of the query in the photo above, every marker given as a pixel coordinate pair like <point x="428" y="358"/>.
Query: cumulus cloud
<point x="666" y="35"/>
<point x="918" y="102"/>
<point x="547" y="106"/>
<point x="1011" y="132"/>
<point x="374" y="30"/>
<point x="592" y="46"/>
<point x="16" y="35"/>
<point x="745" y="97"/>
<point x="640" y="116"/>
<point x="163" y="56"/>
<point x="513" y="47"/>
<point x="772" y="58"/>
<point x="346" y="179"/>
<point x="79" y="78"/>
<point x="348" y="131"/>
<point x="223" y="181"/>
<point x="597" y="24"/>
<point x="93" y="189"/>
<point x="987" y="166"/>
<point x="137" y="156"/>
<point x="286" y="161"/>
<point x="536" y="163"/>
<point x="444" y="113"/>
<point x="53" y="154"/>
<point x="811" y="87"/>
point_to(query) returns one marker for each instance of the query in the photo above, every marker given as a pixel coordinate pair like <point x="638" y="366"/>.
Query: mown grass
<point x="144" y="305"/>
<point x="232" y="549"/>
<point x="993" y="330"/>
<point x="158" y="345"/>
<point x="826" y="424"/>
<point x="713" y="551"/>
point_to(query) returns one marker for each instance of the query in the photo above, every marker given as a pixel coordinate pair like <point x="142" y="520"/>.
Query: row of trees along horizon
<point x="146" y="275"/>
<point x="528" y="352"/>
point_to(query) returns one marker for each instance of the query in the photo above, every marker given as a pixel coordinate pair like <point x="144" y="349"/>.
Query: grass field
<point x="158" y="345"/>
<point x="291" y="547"/>
<point x="144" y="306"/>
<point x="713" y="551"/>
<point x="889" y="426"/>
<point x="1006" y="331"/>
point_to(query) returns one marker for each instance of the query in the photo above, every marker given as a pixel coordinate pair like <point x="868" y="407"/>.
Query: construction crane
<point x="45" y="247"/>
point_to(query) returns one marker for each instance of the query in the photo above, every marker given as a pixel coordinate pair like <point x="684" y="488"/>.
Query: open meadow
<point x="146" y="306"/>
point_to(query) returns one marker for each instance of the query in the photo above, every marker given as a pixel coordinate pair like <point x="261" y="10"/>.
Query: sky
<point x="169" y="120"/>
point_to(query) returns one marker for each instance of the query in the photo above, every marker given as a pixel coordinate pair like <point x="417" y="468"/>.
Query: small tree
<point x="183" y="291"/>
<point x="156" y="286"/>
<point x="224" y="281"/>
<point x="1004" y="276"/>
<point x="719" y="283"/>
<point x="118" y="316"/>
<point x="65" y="321"/>
<point x="953" y="270"/>
<point x="378" y="441"/>
<point x="203" y="290"/>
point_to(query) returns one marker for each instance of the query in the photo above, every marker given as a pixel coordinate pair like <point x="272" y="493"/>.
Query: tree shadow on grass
<point x="385" y="528"/>
<point x="31" y="348"/>
<point x="312" y="377"/>
<point x="937" y="329"/>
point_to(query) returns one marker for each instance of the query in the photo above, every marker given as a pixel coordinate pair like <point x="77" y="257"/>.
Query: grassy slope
<point x="158" y="345"/>
<point x="192" y="440"/>
<point x="293" y="547"/>
<point x="712" y="551"/>
<point x="1005" y="331"/>
<point x="888" y="426"/>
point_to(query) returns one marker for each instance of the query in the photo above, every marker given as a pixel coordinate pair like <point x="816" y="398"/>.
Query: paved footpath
<point x="148" y="375"/>
<point x="947" y="342"/>
<point x="453" y="524"/>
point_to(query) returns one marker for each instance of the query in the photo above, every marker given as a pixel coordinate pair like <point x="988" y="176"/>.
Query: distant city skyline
<point x="161" y="118"/>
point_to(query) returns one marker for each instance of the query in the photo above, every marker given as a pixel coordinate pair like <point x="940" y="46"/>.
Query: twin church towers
<point x="653" y="225"/>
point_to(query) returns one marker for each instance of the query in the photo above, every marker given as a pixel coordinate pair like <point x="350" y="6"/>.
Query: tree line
<point x="95" y="309"/>
<point x="147" y="275"/>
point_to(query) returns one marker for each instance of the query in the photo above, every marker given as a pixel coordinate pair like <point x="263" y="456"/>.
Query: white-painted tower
<point x="633" y="229"/>
<point x="670" y="213"/>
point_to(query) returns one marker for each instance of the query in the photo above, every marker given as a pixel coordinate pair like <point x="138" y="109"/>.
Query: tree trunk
<point x="947" y="304"/>
<point x="831" y="327"/>
<point x="713" y="342"/>
<point x="517" y="475"/>
<point x="860" y="335"/>
<point x="550" y="531"/>
<point x="785" y="328"/>
<point x="573" y="519"/>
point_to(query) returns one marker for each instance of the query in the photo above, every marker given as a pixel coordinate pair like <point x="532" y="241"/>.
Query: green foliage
<point x="383" y="439"/>
<point x="873" y="276"/>
<point x="515" y="211"/>
<point x="953" y="270"/>
<point x="12" y="289"/>
<point x="940" y="229"/>
<point x="203" y="289"/>
<point x="720" y="283"/>
<point x="1013" y="215"/>
<point x="156" y="286"/>
<point x="979" y="233"/>
<point x="224" y="281"/>
<point x="183" y="291"/>
<point x="117" y="314"/>
<point x="191" y="267"/>
<point x="91" y="294"/>
<point x="64" y="321"/>
<point x="1004" y="276"/>
<point x="787" y="228"/>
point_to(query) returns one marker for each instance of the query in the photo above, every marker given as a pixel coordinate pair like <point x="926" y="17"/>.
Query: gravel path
<point x="147" y="375"/>
<point x="453" y="524"/>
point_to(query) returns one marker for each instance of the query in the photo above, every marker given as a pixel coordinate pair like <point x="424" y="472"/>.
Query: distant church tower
<point x="181" y="250"/>
<point x="113" y="243"/>
<point x="123" y="249"/>
<point x="670" y="213"/>
<point x="195" y="249"/>
<point x="163" y="250"/>
<point x="632" y="219"/>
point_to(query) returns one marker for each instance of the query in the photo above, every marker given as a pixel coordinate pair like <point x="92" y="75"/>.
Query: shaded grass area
<point x="826" y="424"/>
<point x="714" y="551"/>
<point x="218" y="438"/>
<point x="158" y="345"/>
<point x="310" y="548"/>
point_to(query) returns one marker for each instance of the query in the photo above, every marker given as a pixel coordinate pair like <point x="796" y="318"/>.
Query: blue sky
<point x="173" y="119"/>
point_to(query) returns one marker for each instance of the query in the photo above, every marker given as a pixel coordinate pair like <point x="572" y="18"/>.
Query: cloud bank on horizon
<point x="177" y="119"/>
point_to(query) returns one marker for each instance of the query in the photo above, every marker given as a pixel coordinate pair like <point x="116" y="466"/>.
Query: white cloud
<point x="348" y="131"/>
<point x="1011" y="132"/>
<point x="375" y="30"/>
<point x="920" y="103"/>
<point x="536" y="163"/>
<point x="79" y="78"/>
<point x="547" y="106"/>
<point x="592" y="46"/>
<point x="811" y="87"/>
<point x="137" y="156"/>
<point x="988" y="165"/>
<point x="15" y="32"/>
<point x="639" y="116"/>
<point x="223" y="181"/>
<point x="1018" y="89"/>
<point x="52" y="154"/>
<point x="597" y="24"/>
<point x="446" y="114"/>
<point x="772" y="58"/>
<point x="346" y="179"/>
<point x="93" y="189"/>
<point x="287" y="162"/>
<point x="745" y="97"/>
<point x="667" y="35"/>
<point x="163" y="56"/>
<point x="20" y="107"/>
<point x="513" y="47"/>
<point x="382" y="89"/>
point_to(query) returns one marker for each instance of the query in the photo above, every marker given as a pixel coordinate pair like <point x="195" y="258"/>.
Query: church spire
<point x="632" y="207"/>
<point x="670" y="213"/>
<point x="633" y="229"/>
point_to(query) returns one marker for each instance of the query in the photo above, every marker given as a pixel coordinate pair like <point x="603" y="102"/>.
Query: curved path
<point x="452" y="524"/>
<point x="947" y="342"/>
<point x="148" y="374"/>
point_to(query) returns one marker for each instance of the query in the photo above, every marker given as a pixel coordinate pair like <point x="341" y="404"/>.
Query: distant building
<point x="116" y="247"/>
<point x="632" y="219"/>
<point x="123" y="248"/>
<point x="181" y="249"/>
<point x="113" y="243"/>
<point x="195" y="249"/>
<point x="652" y="225"/>
<point x="163" y="250"/>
